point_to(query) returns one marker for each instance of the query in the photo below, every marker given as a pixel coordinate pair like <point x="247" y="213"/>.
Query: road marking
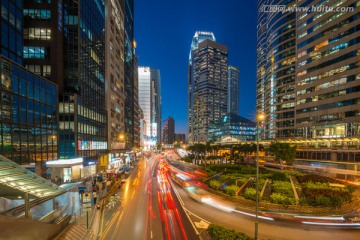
<point x="107" y="222"/>
<point x="201" y="224"/>
<point x="187" y="211"/>
<point x="151" y="235"/>
<point x="133" y="194"/>
<point x="177" y="193"/>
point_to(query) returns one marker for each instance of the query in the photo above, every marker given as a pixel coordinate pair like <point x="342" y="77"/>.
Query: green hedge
<point x="214" y="184"/>
<point x="250" y="193"/>
<point x="322" y="194"/>
<point x="220" y="233"/>
<point x="231" y="190"/>
<point x="282" y="187"/>
<point x="279" y="198"/>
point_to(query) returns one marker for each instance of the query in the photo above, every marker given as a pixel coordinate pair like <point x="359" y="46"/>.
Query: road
<point x="205" y="214"/>
<point x="148" y="208"/>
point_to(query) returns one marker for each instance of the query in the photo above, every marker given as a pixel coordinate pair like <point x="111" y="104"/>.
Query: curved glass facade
<point x="276" y="70"/>
<point x="232" y="127"/>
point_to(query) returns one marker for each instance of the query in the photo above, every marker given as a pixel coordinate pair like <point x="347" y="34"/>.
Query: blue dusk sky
<point x="164" y="30"/>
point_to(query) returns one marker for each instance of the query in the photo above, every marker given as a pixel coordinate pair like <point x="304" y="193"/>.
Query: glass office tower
<point x="276" y="69"/>
<point x="150" y="103"/>
<point x="131" y="81"/>
<point x="233" y="90"/>
<point x="83" y="124"/>
<point x="28" y="102"/>
<point x="198" y="37"/>
<point x="210" y="87"/>
<point x="328" y="72"/>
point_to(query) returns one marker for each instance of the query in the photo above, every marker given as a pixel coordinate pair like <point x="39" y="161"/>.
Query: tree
<point x="282" y="152"/>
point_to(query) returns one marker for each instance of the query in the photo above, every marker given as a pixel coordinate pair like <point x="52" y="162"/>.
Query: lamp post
<point x="259" y="118"/>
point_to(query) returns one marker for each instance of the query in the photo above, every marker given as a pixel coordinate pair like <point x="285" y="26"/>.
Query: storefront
<point x="89" y="166"/>
<point x="65" y="170"/>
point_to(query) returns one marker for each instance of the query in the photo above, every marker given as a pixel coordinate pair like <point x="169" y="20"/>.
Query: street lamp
<point x="259" y="118"/>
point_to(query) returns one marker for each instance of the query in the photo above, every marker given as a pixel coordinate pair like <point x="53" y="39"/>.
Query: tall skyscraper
<point x="168" y="131"/>
<point x="328" y="72"/>
<point x="114" y="75"/>
<point x="207" y="87"/>
<point x="65" y="40"/>
<point x="150" y="103"/>
<point x="131" y="81"/>
<point x="276" y="70"/>
<point x="198" y="38"/>
<point x="307" y="68"/>
<point x="233" y="90"/>
<point x="28" y="102"/>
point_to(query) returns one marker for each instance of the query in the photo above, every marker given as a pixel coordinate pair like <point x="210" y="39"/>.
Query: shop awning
<point x="15" y="181"/>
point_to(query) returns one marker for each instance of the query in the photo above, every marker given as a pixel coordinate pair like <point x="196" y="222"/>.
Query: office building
<point x="143" y="136"/>
<point x="65" y="40"/>
<point x="197" y="38"/>
<point x="28" y="102"/>
<point x="131" y="79"/>
<point x="232" y="128"/>
<point x="276" y="70"/>
<point x="114" y="77"/>
<point x="307" y="68"/>
<point x="168" y="131"/>
<point x="208" y="84"/>
<point x="150" y="103"/>
<point x="328" y="72"/>
<point x="180" y="138"/>
<point x="233" y="90"/>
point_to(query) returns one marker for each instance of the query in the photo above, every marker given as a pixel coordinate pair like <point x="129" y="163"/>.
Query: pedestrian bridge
<point x="16" y="182"/>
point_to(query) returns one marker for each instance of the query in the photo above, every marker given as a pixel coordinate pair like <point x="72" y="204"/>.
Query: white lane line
<point x="186" y="210"/>
<point x="177" y="193"/>
<point x="151" y="235"/>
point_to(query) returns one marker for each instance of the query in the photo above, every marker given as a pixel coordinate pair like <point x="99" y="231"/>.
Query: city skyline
<point x="173" y="39"/>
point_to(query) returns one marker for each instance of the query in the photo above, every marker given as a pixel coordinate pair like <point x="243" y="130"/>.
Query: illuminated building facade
<point x="114" y="75"/>
<point x="233" y="90"/>
<point x="276" y="48"/>
<point x="150" y="103"/>
<point x="198" y="38"/>
<point x="232" y="128"/>
<point x="328" y="72"/>
<point x="28" y="102"/>
<point x="209" y="87"/>
<point x="65" y="42"/>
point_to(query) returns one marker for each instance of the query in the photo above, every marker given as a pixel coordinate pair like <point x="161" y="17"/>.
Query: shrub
<point x="279" y="176"/>
<point x="231" y="190"/>
<point x="221" y="233"/>
<point x="315" y="178"/>
<point x="214" y="184"/>
<point x="321" y="194"/>
<point x="283" y="187"/>
<point x="250" y="193"/>
<point x="282" y="199"/>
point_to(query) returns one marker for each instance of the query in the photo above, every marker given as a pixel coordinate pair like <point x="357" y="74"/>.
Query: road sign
<point x="86" y="205"/>
<point x="87" y="197"/>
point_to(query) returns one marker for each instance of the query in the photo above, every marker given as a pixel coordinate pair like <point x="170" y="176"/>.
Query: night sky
<point x="164" y="30"/>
